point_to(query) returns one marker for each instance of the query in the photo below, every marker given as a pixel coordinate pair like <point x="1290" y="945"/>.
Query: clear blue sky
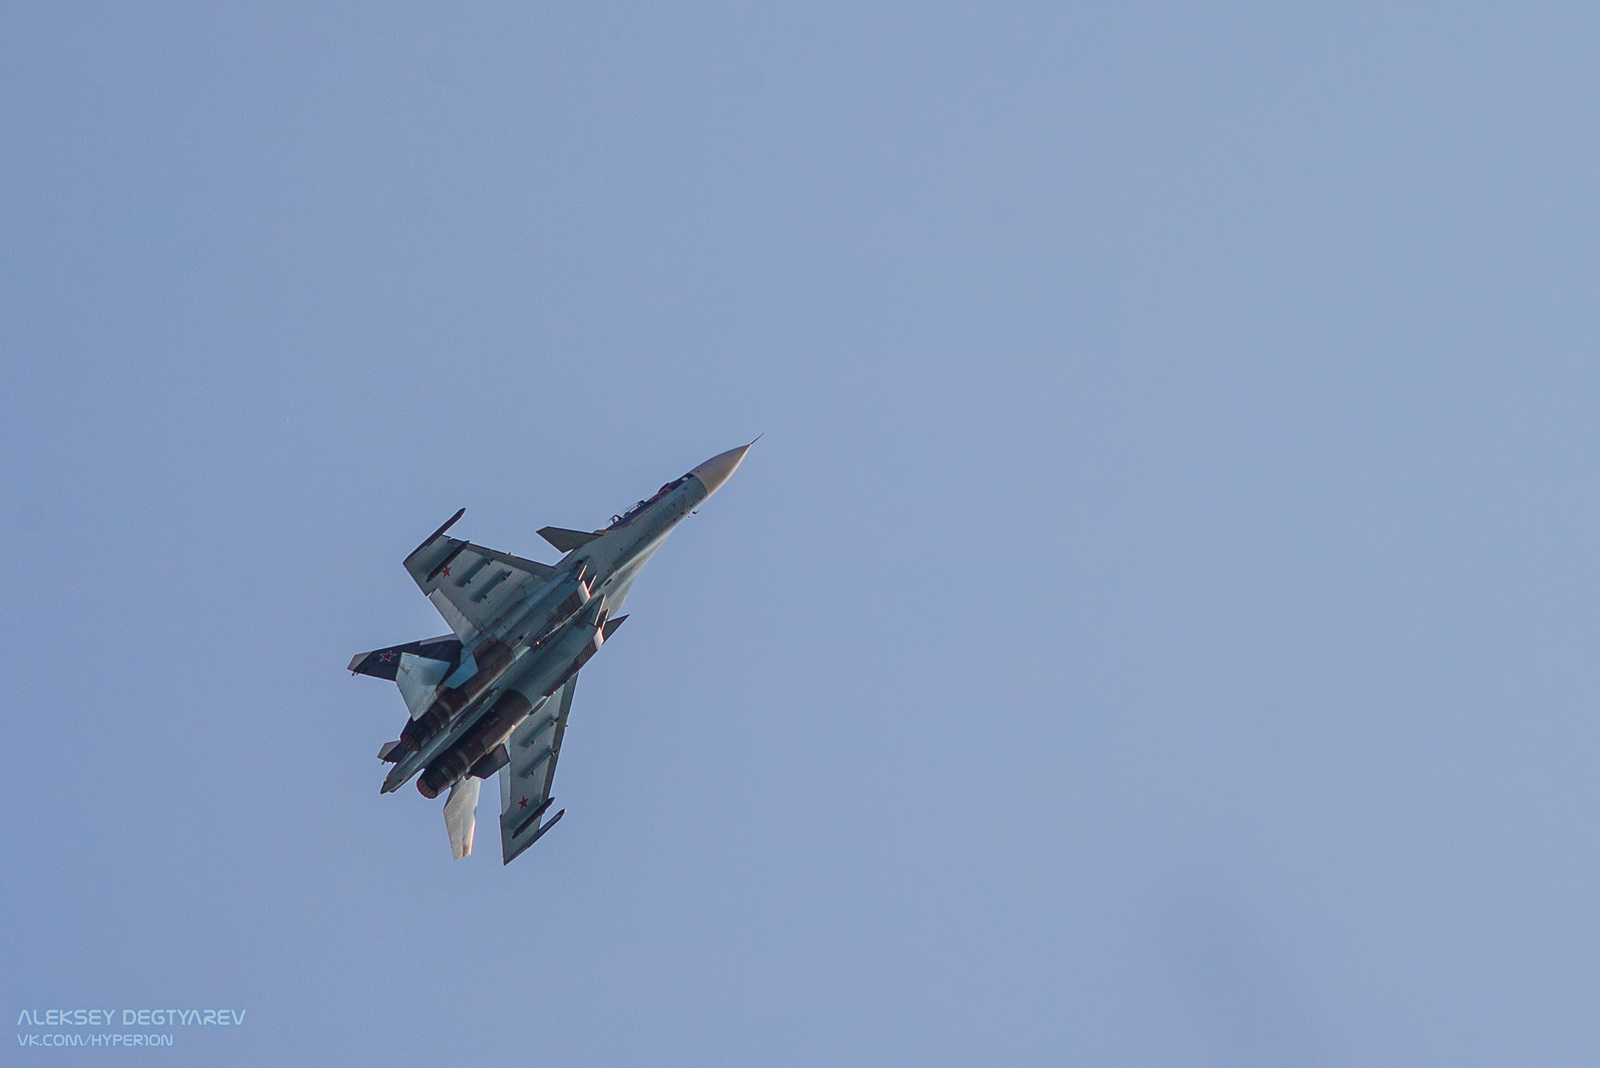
<point x="1158" y="626"/>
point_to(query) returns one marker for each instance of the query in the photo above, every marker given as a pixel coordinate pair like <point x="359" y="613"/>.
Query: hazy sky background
<point x="1158" y="626"/>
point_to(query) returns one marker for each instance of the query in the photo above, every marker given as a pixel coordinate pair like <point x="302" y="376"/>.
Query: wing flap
<point x="453" y="616"/>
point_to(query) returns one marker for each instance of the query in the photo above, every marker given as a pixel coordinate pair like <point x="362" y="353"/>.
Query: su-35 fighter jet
<point x="494" y="695"/>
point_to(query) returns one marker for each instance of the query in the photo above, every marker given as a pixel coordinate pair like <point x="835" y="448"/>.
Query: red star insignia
<point x="445" y="572"/>
<point x="386" y="657"/>
<point x="523" y="803"/>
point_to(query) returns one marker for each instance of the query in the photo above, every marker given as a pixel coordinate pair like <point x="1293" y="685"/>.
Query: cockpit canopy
<point x="618" y="521"/>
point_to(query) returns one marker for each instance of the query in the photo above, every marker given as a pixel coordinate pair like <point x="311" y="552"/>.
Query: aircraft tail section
<point x="461" y="815"/>
<point x="417" y="668"/>
<point x="385" y="663"/>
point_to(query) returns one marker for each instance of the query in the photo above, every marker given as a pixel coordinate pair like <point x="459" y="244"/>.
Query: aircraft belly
<point x="545" y="670"/>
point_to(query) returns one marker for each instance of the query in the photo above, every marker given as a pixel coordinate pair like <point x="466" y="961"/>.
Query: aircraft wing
<point x="526" y="781"/>
<point x="470" y="585"/>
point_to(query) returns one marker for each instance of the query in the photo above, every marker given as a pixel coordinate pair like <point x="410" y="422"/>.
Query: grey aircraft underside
<point x="493" y="695"/>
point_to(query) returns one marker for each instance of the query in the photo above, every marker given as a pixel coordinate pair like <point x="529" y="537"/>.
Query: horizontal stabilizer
<point x="385" y="663"/>
<point x="419" y="679"/>
<point x="391" y="752"/>
<point x="611" y="626"/>
<point x="567" y="540"/>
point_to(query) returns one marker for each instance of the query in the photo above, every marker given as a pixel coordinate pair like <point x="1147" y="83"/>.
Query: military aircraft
<point x="493" y="696"/>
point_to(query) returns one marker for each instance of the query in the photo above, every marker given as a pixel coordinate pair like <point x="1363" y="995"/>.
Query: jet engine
<point x="495" y="727"/>
<point x="492" y="659"/>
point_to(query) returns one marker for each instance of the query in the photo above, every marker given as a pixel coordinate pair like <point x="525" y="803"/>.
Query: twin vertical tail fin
<point x="461" y="815"/>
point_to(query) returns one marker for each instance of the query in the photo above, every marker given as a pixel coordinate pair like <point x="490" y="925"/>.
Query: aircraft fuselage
<point x="522" y="659"/>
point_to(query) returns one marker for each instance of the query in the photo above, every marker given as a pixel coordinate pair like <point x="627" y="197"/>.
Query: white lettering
<point x="43" y="1019"/>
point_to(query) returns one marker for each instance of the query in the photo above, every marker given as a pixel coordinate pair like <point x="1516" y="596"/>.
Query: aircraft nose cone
<point x="717" y="470"/>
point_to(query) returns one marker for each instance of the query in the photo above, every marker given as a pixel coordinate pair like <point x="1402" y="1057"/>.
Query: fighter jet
<point x="493" y="695"/>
